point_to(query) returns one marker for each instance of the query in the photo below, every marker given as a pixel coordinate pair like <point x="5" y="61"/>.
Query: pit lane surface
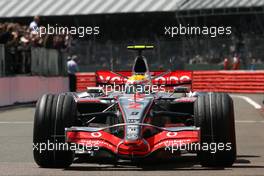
<point x="16" y="149"/>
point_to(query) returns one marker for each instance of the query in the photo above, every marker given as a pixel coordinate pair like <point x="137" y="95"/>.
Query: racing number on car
<point x="134" y="105"/>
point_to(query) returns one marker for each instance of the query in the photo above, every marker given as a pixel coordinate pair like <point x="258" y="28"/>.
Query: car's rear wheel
<point x="214" y="114"/>
<point x="53" y="114"/>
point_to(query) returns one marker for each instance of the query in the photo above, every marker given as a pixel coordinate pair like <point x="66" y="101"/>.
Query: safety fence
<point x="205" y="81"/>
<point x="195" y="53"/>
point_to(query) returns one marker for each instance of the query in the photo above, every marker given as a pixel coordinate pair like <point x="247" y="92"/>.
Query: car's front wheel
<point x="53" y="113"/>
<point x="214" y="114"/>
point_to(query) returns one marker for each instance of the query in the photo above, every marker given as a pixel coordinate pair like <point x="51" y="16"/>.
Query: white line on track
<point x="16" y="122"/>
<point x="249" y="121"/>
<point x="249" y="100"/>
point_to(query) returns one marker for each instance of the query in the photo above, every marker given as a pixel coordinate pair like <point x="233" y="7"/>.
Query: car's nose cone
<point x="134" y="112"/>
<point x="134" y="147"/>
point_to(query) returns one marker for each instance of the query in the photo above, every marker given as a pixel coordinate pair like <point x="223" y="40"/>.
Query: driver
<point x="137" y="84"/>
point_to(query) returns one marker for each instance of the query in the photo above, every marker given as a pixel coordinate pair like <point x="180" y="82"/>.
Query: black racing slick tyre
<point x="53" y="114"/>
<point x="214" y="114"/>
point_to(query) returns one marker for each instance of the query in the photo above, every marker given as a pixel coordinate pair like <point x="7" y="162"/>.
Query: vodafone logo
<point x="172" y="78"/>
<point x="112" y="79"/>
<point x="96" y="134"/>
<point x="172" y="134"/>
<point x="185" y="78"/>
<point x="160" y="80"/>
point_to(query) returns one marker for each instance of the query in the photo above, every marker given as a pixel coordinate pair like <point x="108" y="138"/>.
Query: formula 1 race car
<point x="153" y="115"/>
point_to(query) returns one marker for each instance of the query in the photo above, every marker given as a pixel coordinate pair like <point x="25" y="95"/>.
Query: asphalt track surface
<point x="16" y="149"/>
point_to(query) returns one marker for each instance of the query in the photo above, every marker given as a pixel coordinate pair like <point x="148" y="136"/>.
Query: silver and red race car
<point x="136" y="116"/>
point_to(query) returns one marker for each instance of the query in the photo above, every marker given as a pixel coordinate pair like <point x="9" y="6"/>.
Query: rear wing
<point x="168" y="79"/>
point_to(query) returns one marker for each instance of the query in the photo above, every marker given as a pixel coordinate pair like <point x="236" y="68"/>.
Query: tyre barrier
<point x="84" y="80"/>
<point x="228" y="81"/>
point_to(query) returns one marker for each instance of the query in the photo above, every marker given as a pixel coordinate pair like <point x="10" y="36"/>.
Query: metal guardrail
<point x="47" y="62"/>
<point x="2" y="60"/>
<point x="37" y="61"/>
